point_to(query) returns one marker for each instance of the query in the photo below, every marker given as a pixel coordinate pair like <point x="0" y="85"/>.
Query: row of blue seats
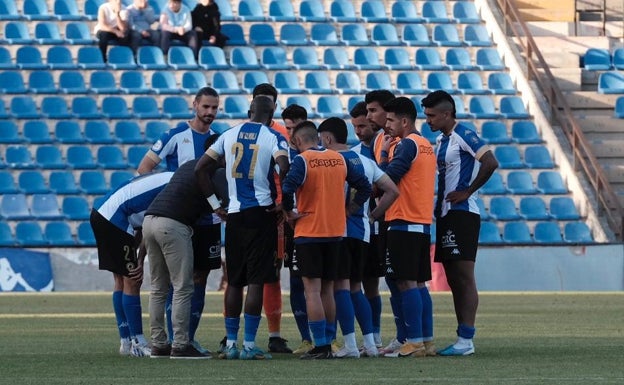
<point x="601" y="59"/>
<point x="54" y="233"/>
<point x="543" y="233"/>
<point x="278" y="10"/>
<point x="17" y="207"/>
<point x="61" y="181"/>
<point x="530" y="208"/>
<point x="521" y="182"/>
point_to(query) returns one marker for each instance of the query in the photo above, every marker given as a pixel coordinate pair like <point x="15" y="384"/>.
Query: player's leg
<point x="120" y="316"/>
<point x="131" y="301"/>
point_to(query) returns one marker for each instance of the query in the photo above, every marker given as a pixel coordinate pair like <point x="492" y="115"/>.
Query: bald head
<point x="261" y="110"/>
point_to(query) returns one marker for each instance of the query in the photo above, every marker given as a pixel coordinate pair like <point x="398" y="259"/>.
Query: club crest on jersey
<point x="158" y="145"/>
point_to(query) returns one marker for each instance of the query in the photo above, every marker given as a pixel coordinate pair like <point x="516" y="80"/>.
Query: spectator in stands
<point x="111" y="25"/>
<point x="176" y="23"/>
<point x="207" y="23"/>
<point x="141" y="17"/>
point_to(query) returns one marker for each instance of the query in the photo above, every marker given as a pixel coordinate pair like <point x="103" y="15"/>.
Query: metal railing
<point x="583" y="157"/>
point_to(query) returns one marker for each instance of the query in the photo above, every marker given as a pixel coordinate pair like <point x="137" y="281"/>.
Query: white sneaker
<point x="140" y="350"/>
<point x="392" y="349"/>
<point x="370" y="351"/>
<point x="125" y="347"/>
<point x="345" y="352"/>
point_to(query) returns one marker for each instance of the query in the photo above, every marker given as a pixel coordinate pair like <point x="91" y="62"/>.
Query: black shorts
<point x="250" y="247"/>
<point x="207" y="247"/>
<point x="317" y="259"/>
<point x="289" y="244"/>
<point x="375" y="262"/>
<point x="457" y="236"/>
<point x="408" y="256"/>
<point x="352" y="259"/>
<point x="116" y="248"/>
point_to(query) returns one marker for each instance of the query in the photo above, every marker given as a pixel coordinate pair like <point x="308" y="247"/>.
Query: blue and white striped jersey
<point x="363" y="149"/>
<point x="249" y="149"/>
<point x="180" y="144"/>
<point x="457" y="158"/>
<point x="125" y="206"/>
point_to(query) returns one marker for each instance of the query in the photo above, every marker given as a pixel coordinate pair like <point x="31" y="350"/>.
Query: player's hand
<point x="292" y="217"/>
<point x="455" y="197"/>
<point x="387" y="142"/>
<point x="279" y="213"/>
<point x="221" y="213"/>
<point x="136" y="274"/>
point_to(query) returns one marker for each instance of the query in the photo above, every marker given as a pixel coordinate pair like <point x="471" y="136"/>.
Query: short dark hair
<point x="308" y="128"/>
<point x="336" y="127"/>
<point x="295" y="112"/>
<point x="359" y="109"/>
<point x="265" y="89"/>
<point x="380" y="96"/>
<point x="439" y="99"/>
<point x="401" y="106"/>
<point x="206" y="91"/>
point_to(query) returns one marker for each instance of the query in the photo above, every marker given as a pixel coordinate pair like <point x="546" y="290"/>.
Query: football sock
<point x="251" y="329"/>
<point x="272" y="304"/>
<point x="427" y="315"/>
<point x="132" y="309"/>
<point x="120" y="316"/>
<point x="363" y="313"/>
<point x="318" y="332"/>
<point x="298" y="306"/>
<point x="412" y="314"/>
<point x="330" y="331"/>
<point x="198" y="301"/>
<point x="344" y="311"/>
<point x="232" y="325"/>
<point x="375" y="306"/>
<point x="465" y="335"/>
<point x="397" y="311"/>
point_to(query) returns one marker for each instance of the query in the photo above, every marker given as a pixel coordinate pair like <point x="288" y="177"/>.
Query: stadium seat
<point x="551" y="182"/>
<point x="563" y="209"/>
<point x="76" y="208"/>
<point x="335" y="58"/>
<point x="354" y="35"/>
<point x="45" y="207"/>
<point x="14" y="207"/>
<point x="342" y="11"/>
<point x="212" y="58"/>
<point x="72" y="82"/>
<point x="78" y="33"/>
<point x="49" y="157"/>
<point x="348" y="82"/>
<point x="235" y="34"/>
<point x="618" y="111"/>
<point x="29" y="234"/>
<point x="6" y="61"/>
<point x="29" y="58"/>
<point x="577" y="232"/>
<point x="85" y="234"/>
<point x="306" y="58"/>
<point x="90" y="58"/>
<point x="483" y="107"/>
<point x="410" y="83"/>
<point x="93" y="182"/>
<point x="55" y="107"/>
<point x="103" y="82"/>
<point x="281" y="10"/>
<point x="80" y="157"/>
<point x="58" y="234"/>
<point x="287" y="82"/>
<point x="151" y="58"/>
<point x="512" y="107"/>
<point x="446" y="35"/>
<point x="426" y="132"/>
<point x="465" y="12"/>
<point x="488" y="59"/>
<point x="262" y="34"/>
<point x="111" y="157"/>
<point x="304" y="102"/>
<point x="244" y="58"/>
<point x="503" y="208"/>
<point x="500" y="83"/>
<point x="121" y="58"/>
<point x="322" y="34"/>
<point x="274" y="58"/>
<point x="6" y="235"/>
<point x="495" y="132"/>
<point x="36" y="10"/>
<point x="19" y="156"/>
<point x="396" y="58"/>
<point x="405" y="12"/>
<point x="115" y="107"/>
<point x="373" y="11"/>
<point x="128" y="132"/>
<point x="24" y="107"/>
<point x="597" y="59"/>
<point x="494" y="185"/>
<point x="250" y="10"/>
<point x="226" y="10"/>
<point x="154" y="129"/>
<point x="219" y="127"/>
<point x="547" y="232"/>
<point x="520" y="182"/>
<point x="489" y="233"/>
<point x="618" y="58"/>
<point x="192" y="81"/>
<point x="68" y="132"/>
<point x="47" y="32"/>
<point x="538" y="157"/>
<point x="66" y="10"/>
<point x="133" y="82"/>
<point x="9" y="133"/>
<point x="12" y="82"/>
<point x="98" y="132"/>
<point x="435" y="12"/>
<point x="181" y="58"/>
<point x="470" y="83"/>
<point x="312" y="11"/>
<point x="428" y="59"/>
<point x="32" y="182"/>
<point x="317" y="82"/>
<point x="385" y="35"/>
<point x="252" y="78"/>
<point x="508" y="157"/>
<point x="475" y="35"/>
<point x="177" y="107"/>
<point x="8" y="11"/>
<point x="37" y="132"/>
<point x="525" y="132"/>
<point x="85" y="107"/>
<point x="293" y="34"/>
<point x="458" y="59"/>
<point x="366" y="58"/>
<point x="440" y="81"/>
<point x="135" y="155"/>
<point x="60" y="58"/>
<point x="117" y="178"/>
<point x="611" y="82"/>
<point x="145" y="107"/>
<point x="517" y="232"/>
<point x="236" y="106"/>
<point x="485" y="216"/>
<point x="329" y="106"/>
<point x="63" y="182"/>
<point x="16" y="32"/>
<point x="379" y="81"/>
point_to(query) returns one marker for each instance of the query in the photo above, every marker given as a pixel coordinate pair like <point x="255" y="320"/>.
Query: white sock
<point x="274" y="334"/>
<point x="249" y="344"/>
<point x="463" y="343"/>
<point x="350" y="342"/>
<point x="369" y="340"/>
<point x="140" y="339"/>
<point x="230" y="343"/>
<point x="377" y="337"/>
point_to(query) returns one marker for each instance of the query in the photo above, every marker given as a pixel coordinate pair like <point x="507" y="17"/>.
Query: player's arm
<point x="390" y="194"/>
<point x="404" y="154"/>
<point x="284" y="166"/>
<point x="148" y="163"/>
<point x="488" y="165"/>
<point x="357" y="180"/>
<point x="204" y="169"/>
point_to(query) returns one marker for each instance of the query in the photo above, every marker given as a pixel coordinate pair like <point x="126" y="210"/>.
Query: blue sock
<point x="132" y="309"/>
<point x="345" y="314"/>
<point x="427" y="314"/>
<point x="231" y="327"/>
<point x="465" y="331"/>
<point x="375" y="306"/>
<point x="298" y="306"/>
<point x="412" y="314"/>
<point x="363" y="312"/>
<point x="251" y="327"/>
<point x="318" y="332"/>
<point x="120" y="316"/>
<point x="168" y="312"/>
<point x="330" y="331"/>
<point x="397" y="310"/>
<point x="197" y="308"/>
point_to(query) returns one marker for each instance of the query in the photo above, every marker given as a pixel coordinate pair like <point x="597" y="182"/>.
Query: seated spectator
<point x="111" y="25"/>
<point x="207" y="23"/>
<point x="176" y="23"/>
<point x="141" y="17"/>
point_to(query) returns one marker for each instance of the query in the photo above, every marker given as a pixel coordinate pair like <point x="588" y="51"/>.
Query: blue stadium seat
<point x="379" y="80"/>
<point x="488" y="59"/>
<point x="342" y="11"/>
<point x="428" y="59"/>
<point x="274" y="58"/>
<point x="135" y="155"/>
<point x="520" y="182"/>
<point x="32" y="182"/>
<point x="500" y="83"/>
<point x="281" y="10"/>
<point x="133" y="82"/>
<point x="577" y="232"/>
<point x="262" y="34"/>
<point x="85" y="234"/>
<point x="508" y="157"/>
<point x="8" y="11"/>
<point x="226" y="10"/>
<point x="470" y="83"/>
<point x="177" y="107"/>
<point x="76" y="208"/>
<point x="111" y="157"/>
<point x="47" y="32"/>
<point x="563" y="209"/>
<point x="90" y="58"/>
<point x="503" y="208"/>
<point x="24" y="107"/>
<point x="145" y="107"/>
<point x="385" y="35"/>
<point x="72" y="82"/>
<point x="6" y="61"/>
<point x="236" y="106"/>
<point x="29" y="58"/>
<point x="219" y="127"/>
<point x="287" y="82"/>
<point x="446" y="35"/>
<point x="329" y="106"/>
<point x="252" y="78"/>
<point x="80" y="157"/>
<point x="118" y="177"/>
<point x="618" y="111"/>
<point x="517" y="232"/>
<point x="85" y="107"/>
<point x="68" y="132"/>
<point x="440" y="81"/>
<point x="312" y="11"/>
<point x="235" y="34"/>
<point x="465" y="12"/>
<point x="373" y="11"/>
<point x="14" y="207"/>
<point x="426" y="132"/>
<point x="181" y="58"/>
<point x="128" y="132"/>
<point x="335" y="58"/>
<point x="489" y="233"/>
<point x="250" y="10"/>
<point x="36" y="10"/>
<point x="93" y="182"/>
<point x="460" y="110"/>
<point x="45" y="207"/>
<point x="3" y="113"/>
<point x="525" y="132"/>
<point x="121" y="57"/>
<point x="19" y="156"/>
<point x="495" y="132"/>
<point x="212" y="58"/>
<point x="154" y="129"/>
<point x="348" y="82"/>
<point x="547" y="232"/>
<point x="293" y="34"/>
<point x="151" y="58"/>
<point x="225" y="82"/>
<point x="304" y="102"/>
<point x="458" y="59"/>
<point x="9" y="133"/>
<point x="482" y="106"/>
<point x="115" y="107"/>
<point x="611" y="82"/>
<point x="6" y="235"/>
<point x="63" y="182"/>
<point x="58" y="234"/>
<point x="494" y="185"/>
<point x="306" y="58"/>
<point x="192" y="81"/>
<point x="103" y="82"/>
<point x="538" y="157"/>
<point x="244" y="58"/>
<point x="37" y="132"/>
<point x="354" y="34"/>
<point x="396" y="58"/>
<point x="49" y="157"/>
<point x="55" y="107"/>
<point x="78" y="33"/>
<point x="366" y="58"/>
<point x="410" y="83"/>
<point x="60" y="58"/>
<point x="98" y="132"/>
<point x="29" y="234"/>
<point x="317" y="82"/>
<point x="551" y="182"/>
<point x="435" y="12"/>
<point x="618" y="58"/>
<point x="485" y="216"/>
<point x="16" y="32"/>
<point x="405" y="12"/>
<point x="512" y="107"/>
<point x="597" y="59"/>
<point x="12" y="82"/>
<point x="66" y="10"/>
<point x="324" y="34"/>
<point x="475" y="35"/>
